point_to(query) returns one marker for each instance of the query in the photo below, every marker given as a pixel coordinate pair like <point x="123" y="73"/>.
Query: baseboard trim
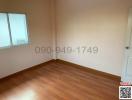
<point x="26" y="70"/>
<point x="96" y="72"/>
<point x="93" y="71"/>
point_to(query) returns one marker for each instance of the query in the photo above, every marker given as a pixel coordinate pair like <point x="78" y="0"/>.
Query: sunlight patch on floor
<point x="28" y="94"/>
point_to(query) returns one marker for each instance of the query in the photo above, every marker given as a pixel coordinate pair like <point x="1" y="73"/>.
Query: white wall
<point x="21" y="57"/>
<point x="101" y="23"/>
<point x="53" y="25"/>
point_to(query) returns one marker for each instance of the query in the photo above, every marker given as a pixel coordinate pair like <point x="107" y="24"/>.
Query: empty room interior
<point x="65" y="49"/>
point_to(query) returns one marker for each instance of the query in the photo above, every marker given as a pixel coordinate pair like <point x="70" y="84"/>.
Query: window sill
<point x="14" y="46"/>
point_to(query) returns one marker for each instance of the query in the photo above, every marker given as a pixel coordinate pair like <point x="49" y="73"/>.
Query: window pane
<point x="18" y="29"/>
<point x="4" y="31"/>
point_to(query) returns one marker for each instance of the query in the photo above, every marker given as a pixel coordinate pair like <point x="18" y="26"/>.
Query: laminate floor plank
<point x="58" y="81"/>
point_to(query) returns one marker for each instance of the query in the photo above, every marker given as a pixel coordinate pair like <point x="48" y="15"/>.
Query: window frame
<point x="11" y="44"/>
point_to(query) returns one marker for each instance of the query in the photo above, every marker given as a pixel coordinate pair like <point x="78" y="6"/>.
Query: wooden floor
<point x="58" y="81"/>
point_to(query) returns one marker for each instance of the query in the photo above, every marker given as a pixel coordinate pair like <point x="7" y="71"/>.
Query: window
<point x="13" y="29"/>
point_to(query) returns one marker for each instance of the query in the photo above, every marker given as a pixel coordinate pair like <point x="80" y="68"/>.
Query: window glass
<point x="18" y="28"/>
<point x="4" y="31"/>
